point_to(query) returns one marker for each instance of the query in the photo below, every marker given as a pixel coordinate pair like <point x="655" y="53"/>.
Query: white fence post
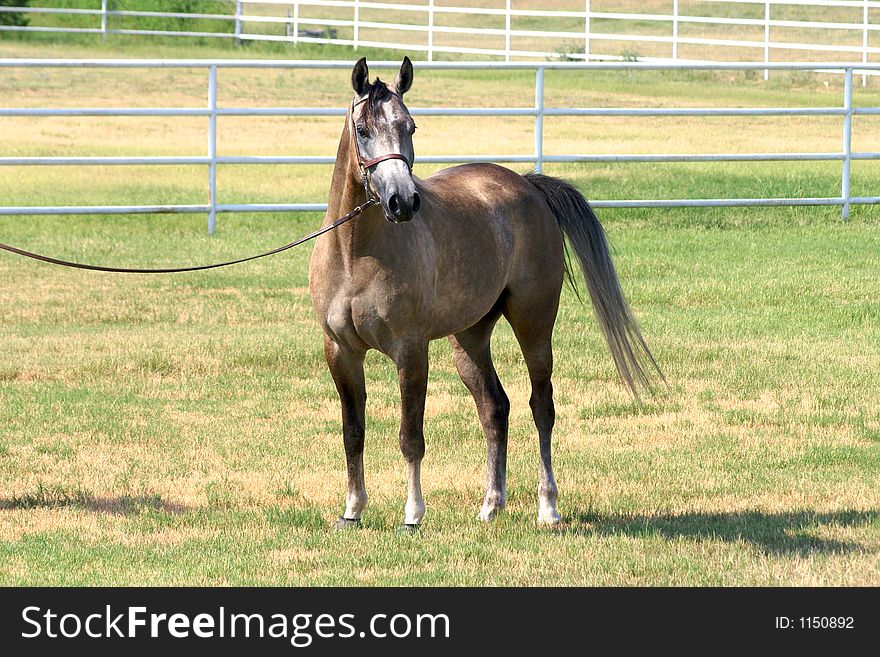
<point x="767" y="39"/>
<point x="539" y="119"/>
<point x="865" y="41"/>
<point x="238" y="21"/>
<point x="674" y="29"/>
<point x="103" y="21"/>
<point x="212" y="150"/>
<point x="507" y="32"/>
<point x="357" y="20"/>
<point x="587" y="31"/>
<point x="430" y="30"/>
<point x="295" y="22"/>
<point x="847" y="141"/>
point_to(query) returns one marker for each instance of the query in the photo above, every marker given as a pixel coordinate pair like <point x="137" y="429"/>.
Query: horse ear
<point x="360" y="77"/>
<point x="404" y="79"/>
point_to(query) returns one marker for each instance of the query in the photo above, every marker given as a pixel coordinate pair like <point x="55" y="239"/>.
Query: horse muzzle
<point x="400" y="209"/>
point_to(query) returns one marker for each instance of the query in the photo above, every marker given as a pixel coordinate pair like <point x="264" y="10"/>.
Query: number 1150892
<point x="815" y="623"/>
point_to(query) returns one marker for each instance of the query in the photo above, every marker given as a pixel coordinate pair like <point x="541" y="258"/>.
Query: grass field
<point x="183" y="429"/>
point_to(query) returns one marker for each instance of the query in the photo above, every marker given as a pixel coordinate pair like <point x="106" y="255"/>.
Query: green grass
<point x="184" y="430"/>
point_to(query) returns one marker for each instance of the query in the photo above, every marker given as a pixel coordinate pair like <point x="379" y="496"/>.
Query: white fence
<point x="538" y="110"/>
<point x="514" y="28"/>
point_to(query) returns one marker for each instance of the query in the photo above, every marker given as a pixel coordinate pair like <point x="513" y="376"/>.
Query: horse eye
<point x="414" y="128"/>
<point x="362" y="130"/>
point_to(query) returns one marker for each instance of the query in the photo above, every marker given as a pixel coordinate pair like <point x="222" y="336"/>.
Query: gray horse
<point x="447" y="256"/>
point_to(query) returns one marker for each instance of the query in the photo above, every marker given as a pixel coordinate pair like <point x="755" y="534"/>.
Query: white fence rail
<point x="433" y="29"/>
<point x="538" y="157"/>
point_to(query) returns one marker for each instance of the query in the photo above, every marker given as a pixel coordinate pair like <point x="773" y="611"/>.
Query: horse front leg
<point x="412" y="376"/>
<point x="347" y="369"/>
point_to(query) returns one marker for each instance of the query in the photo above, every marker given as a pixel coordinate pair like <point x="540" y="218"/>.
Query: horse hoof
<point x="488" y="514"/>
<point x="346" y="523"/>
<point x="552" y="519"/>
<point x="407" y="528"/>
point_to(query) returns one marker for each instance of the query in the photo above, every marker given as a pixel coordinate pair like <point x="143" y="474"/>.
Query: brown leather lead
<point x="371" y="200"/>
<point x="125" y="270"/>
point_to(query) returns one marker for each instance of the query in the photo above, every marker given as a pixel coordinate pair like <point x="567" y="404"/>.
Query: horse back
<point x="494" y="216"/>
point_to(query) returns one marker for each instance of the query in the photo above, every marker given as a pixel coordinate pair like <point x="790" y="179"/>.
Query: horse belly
<point x="467" y="292"/>
<point x="383" y="318"/>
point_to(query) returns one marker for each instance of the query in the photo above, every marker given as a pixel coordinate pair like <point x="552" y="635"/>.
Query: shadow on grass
<point x="58" y="498"/>
<point x="788" y="533"/>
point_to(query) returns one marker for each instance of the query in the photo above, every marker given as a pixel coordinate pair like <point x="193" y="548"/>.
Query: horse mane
<point x="377" y="94"/>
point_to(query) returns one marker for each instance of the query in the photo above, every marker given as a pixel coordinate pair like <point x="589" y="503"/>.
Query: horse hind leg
<point x="533" y="328"/>
<point x="473" y="360"/>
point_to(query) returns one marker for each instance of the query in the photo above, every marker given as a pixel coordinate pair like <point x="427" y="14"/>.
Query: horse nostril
<point x="416" y="203"/>
<point x="394" y="204"/>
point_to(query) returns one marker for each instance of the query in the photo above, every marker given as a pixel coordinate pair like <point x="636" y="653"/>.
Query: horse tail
<point x="585" y="234"/>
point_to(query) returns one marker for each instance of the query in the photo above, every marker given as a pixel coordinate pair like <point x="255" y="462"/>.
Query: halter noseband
<point x="365" y="165"/>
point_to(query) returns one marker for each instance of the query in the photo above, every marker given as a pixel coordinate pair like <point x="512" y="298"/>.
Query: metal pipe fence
<point x="538" y="110"/>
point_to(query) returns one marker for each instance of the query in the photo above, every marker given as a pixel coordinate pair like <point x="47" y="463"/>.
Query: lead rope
<point x="371" y="200"/>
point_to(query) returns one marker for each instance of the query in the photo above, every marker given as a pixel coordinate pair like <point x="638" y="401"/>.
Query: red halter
<point x="366" y="164"/>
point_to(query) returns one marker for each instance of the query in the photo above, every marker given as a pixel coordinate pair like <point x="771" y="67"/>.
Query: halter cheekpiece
<point x="365" y="165"/>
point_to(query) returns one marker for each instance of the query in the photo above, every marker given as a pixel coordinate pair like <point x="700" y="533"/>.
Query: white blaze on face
<point x="391" y="133"/>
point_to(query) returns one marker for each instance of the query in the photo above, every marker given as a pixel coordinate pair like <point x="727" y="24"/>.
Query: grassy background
<point x="183" y="430"/>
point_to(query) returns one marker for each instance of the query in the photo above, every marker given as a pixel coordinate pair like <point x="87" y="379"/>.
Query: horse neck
<point x="346" y="193"/>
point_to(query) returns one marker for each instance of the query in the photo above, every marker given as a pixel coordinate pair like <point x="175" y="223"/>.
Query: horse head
<point x="382" y="131"/>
